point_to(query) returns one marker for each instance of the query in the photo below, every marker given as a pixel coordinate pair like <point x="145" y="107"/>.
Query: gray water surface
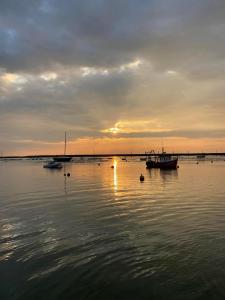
<point x="102" y="234"/>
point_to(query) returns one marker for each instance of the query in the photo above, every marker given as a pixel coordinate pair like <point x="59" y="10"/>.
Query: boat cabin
<point x="164" y="157"/>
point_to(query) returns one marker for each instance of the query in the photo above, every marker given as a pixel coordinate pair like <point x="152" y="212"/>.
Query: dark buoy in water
<point x="142" y="178"/>
<point x="197" y="162"/>
<point x="112" y="167"/>
<point x="99" y="164"/>
<point x="64" y="174"/>
<point x="68" y="174"/>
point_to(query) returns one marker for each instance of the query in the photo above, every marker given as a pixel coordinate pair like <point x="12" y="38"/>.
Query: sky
<point x="117" y="76"/>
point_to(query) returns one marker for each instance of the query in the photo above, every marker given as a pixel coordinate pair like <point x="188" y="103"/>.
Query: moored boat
<point x="62" y="158"/>
<point x="162" y="161"/>
<point x="53" y="165"/>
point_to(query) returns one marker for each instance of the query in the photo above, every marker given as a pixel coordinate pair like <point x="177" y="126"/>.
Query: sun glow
<point x="133" y="126"/>
<point x="10" y="78"/>
<point x="113" y="130"/>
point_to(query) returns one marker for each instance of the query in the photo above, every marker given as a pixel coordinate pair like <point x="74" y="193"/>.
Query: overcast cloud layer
<point x="139" y="68"/>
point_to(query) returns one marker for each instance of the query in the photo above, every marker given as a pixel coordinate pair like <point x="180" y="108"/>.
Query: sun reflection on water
<point x="115" y="178"/>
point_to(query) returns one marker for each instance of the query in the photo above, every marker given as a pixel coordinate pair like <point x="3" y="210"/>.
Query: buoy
<point x="64" y="174"/>
<point x="142" y="178"/>
<point x="112" y="167"/>
<point x="197" y="162"/>
<point x="68" y="174"/>
<point x="99" y="164"/>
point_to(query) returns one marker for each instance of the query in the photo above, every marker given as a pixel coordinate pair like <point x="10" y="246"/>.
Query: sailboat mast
<point x="65" y="145"/>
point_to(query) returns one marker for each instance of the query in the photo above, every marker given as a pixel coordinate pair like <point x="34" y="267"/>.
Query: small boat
<point x="162" y="161"/>
<point x="53" y="165"/>
<point x="93" y="158"/>
<point x="63" y="158"/>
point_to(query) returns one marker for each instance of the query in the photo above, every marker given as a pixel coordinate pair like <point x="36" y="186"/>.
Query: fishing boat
<point x="63" y="158"/>
<point x="161" y="161"/>
<point x="53" y="165"/>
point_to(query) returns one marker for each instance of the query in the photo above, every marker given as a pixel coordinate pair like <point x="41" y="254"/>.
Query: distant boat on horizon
<point x="63" y="158"/>
<point x="201" y="156"/>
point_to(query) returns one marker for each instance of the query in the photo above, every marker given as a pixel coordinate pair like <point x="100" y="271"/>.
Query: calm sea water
<point x="102" y="234"/>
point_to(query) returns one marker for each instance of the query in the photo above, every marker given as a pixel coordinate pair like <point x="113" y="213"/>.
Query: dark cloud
<point x="39" y="34"/>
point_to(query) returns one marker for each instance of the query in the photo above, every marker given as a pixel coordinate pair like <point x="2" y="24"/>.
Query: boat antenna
<point x="162" y="143"/>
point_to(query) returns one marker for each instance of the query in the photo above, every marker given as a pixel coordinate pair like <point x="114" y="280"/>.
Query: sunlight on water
<point x="115" y="179"/>
<point x="102" y="234"/>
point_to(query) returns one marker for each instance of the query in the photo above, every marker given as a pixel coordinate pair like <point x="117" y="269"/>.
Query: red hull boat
<point x="162" y="161"/>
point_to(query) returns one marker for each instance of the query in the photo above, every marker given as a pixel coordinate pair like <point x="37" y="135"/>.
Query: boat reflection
<point x="153" y="173"/>
<point x="65" y="185"/>
<point x="168" y="176"/>
<point x="67" y="170"/>
<point x="163" y="175"/>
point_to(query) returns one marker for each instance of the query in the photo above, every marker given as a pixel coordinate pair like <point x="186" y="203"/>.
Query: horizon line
<point x="114" y="154"/>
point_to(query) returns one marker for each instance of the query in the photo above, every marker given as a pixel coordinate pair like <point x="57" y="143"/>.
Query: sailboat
<point x="63" y="158"/>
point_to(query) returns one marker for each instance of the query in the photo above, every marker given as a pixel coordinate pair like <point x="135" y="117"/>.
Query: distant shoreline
<point x="115" y="155"/>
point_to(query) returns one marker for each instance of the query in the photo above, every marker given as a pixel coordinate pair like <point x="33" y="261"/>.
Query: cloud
<point x="40" y="34"/>
<point x="39" y="107"/>
<point x="84" y="66"/>
<point x="176" y="133"/>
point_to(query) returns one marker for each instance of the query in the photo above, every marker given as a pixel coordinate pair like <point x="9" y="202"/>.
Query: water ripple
<point x="101" y="232"/>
